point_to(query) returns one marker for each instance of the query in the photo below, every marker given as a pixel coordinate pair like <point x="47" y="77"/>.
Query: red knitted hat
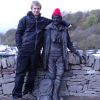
<point x="57" y="12"/>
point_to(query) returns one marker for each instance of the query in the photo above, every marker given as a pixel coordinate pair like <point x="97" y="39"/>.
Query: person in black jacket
<point x="56" y="42"/>
<point x="29" y="42"/>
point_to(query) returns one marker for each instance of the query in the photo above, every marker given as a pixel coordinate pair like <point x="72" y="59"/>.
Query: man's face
<point x="56" y="19"/>
<point x="36" y="10"/>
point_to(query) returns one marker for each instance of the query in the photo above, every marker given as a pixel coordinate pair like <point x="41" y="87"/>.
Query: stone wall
<point x="80" y="80"/>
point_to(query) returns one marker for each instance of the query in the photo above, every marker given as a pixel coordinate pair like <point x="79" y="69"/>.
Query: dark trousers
<point x="25" y="63"/>
<point x="55" y="73"/>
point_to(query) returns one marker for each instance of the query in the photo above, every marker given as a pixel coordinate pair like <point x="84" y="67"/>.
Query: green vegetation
<point x="86" y="28"/>
<point x="8" y="38"/>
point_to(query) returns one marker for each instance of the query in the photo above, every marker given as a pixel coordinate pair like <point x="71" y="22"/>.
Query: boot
<point x="29" y="96"/>
<point x="19" y="99"/>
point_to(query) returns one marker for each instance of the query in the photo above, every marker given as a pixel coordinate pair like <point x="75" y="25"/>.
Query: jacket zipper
<point x="36" y="35"/>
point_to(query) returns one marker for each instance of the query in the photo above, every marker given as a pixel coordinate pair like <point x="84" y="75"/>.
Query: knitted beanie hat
<point x="57" y="12"/>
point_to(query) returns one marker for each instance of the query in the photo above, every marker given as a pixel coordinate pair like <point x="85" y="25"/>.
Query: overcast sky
<point x="12" y="10"/>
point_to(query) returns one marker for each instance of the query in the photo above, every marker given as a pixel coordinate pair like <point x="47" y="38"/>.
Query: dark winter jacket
<point x="66" y="43"/>
<point x="29" y="31"/>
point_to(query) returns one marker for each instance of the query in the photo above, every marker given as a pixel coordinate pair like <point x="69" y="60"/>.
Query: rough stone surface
<point x="81" y="80"/>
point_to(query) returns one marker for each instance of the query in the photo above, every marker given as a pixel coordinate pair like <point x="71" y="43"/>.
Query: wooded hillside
<point x="85" y="31"/>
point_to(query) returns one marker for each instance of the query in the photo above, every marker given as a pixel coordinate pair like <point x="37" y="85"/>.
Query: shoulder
<point x="23" y="19"/>
<point x="66" y="24"/>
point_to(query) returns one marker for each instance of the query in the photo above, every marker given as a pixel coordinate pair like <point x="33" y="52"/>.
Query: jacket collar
<point x="53" y="27"/>
<point x="31" y="15"/>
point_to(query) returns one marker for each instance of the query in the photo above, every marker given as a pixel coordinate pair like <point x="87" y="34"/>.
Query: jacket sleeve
<point x="67" y="25"/>
<point x="72" y="48"/>
<point x="70" y="44"/>
<point x="47" y="21"/>
<point x="19" y="32"/>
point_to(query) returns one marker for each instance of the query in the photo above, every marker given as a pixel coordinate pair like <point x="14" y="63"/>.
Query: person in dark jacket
<point x="29" y="42"/>
<point x="56" y="42"/>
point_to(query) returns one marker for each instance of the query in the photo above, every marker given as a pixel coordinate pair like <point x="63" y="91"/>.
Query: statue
<point x="56" y="41"/>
